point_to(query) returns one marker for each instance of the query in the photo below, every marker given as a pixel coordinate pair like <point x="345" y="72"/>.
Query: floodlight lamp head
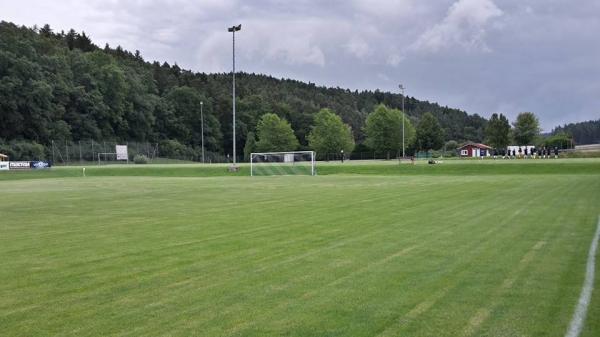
<point x="234" y="28"/>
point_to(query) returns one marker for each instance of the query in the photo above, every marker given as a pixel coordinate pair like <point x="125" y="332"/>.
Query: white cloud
<point x="464" y="26"/>
<point x="394" y="59"/>
<point x="358" y="48"/>
<point x="388" y="9"/>
<point x="294" y="42"/>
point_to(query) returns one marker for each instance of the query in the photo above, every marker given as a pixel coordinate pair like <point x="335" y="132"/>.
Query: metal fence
<point x="104" y="152"/>
<point x="383" y="155"/>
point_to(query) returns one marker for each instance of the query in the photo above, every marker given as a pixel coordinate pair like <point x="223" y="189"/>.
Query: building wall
<point x="472" y="151"/>
<point x="516" y="148"/>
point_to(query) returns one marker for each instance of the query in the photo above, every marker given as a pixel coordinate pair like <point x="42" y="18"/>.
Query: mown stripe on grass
<point x="476" y="245"/>
<point x="483" y="313"/>
<point x="474" y="253"/>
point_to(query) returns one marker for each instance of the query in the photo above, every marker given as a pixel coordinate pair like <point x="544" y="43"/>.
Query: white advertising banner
<point x="19" y="165"/>
<point x="3" y="166"/>
<point x="121" y="151"/>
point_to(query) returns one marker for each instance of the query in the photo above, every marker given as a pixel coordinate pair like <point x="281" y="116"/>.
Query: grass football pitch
<point x="366" y="251"/>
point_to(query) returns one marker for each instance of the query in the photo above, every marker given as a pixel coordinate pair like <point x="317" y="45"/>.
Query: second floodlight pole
<point x="233" y="30"/>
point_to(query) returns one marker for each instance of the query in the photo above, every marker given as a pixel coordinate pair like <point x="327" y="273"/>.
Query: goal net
<point x="106" y="158"/>
<point x="283" y="163"/>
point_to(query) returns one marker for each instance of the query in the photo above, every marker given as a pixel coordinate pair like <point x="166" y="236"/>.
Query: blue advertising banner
<point x="40" y="164"/>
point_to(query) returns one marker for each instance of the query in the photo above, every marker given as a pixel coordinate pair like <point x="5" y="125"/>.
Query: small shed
<point x="475" y="150"/>
<point x="3" y="157"/>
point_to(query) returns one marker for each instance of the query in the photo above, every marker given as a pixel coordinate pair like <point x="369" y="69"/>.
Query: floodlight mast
<point x="234" y="29"/>
<point x="402" y="90"/>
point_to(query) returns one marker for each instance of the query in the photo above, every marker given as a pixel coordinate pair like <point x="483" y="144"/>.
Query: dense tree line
<point x="59" y="86"/>
<point x="582" y="133"/>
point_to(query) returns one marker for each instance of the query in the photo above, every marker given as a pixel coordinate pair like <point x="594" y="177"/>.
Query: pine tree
<point x="70" y="38"/>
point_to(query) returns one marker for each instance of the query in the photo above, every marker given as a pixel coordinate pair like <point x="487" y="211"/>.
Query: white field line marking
<point x="586" y="292"/>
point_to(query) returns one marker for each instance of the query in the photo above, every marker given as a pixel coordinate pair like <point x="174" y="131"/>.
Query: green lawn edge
<point x="387" y="169"/>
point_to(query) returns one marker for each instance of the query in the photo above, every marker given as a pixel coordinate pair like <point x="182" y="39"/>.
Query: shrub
<point x="140" y="159"/>
<point x="173" y="149"/>
<point x="23" y="150"/>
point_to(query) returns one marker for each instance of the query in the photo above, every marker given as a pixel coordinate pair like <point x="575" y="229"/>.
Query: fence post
<point x="67" y="148"/>
<point x="80" y="160"/>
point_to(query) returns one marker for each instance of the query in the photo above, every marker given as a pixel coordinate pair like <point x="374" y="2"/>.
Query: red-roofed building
<point x="474" y="150"/>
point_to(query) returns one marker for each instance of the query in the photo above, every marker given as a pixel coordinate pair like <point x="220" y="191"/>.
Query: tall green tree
<point x="497" y="131"/>
<point x="275" y="134"/>
<point x="383" y="128"/>
<point x="526" y="128"/>
<point x="185" y="123"/>
<point x="329" y="134"/>
<point x="430" y="135"/>
<point x="250" y="145"/>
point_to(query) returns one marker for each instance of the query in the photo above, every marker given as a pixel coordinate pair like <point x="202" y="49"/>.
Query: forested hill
<point x="582" y="133"/>
<point x="60" y="86"/>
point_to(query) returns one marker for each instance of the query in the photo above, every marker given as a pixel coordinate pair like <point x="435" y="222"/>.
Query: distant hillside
<point x="60" y="86"/>
<point x="583" y="133"/>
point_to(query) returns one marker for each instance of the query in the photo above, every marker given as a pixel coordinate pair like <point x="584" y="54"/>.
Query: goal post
<point x="283" y="163"/>
<point x="107" y="157"/>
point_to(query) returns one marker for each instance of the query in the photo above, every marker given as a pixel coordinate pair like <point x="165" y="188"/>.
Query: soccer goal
<point x="106" y="157"/>
<point x="283" y="163"/>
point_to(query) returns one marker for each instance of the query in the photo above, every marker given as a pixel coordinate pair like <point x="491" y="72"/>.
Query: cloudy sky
<point x="482" y="56"/>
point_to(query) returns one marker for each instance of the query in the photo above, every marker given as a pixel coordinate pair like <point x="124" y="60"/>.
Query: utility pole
<point x="233" y="30"/>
